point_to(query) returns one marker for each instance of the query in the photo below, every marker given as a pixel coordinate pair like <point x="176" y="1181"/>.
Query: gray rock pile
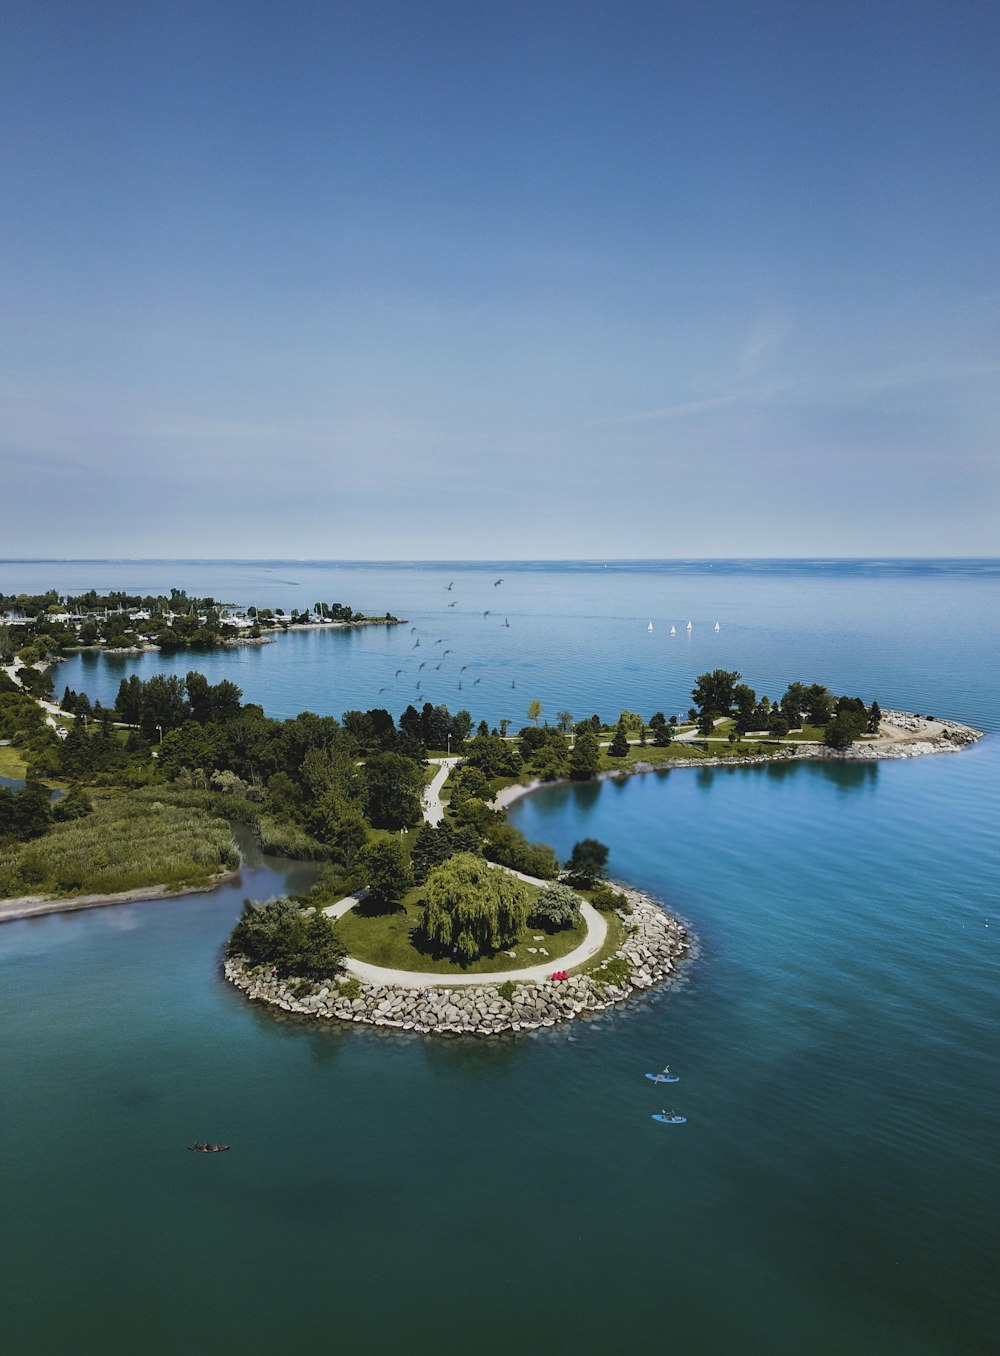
<point x="655" y="945"/>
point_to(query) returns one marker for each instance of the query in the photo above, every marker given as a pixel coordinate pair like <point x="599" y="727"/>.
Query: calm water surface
<point x="835" y="1188"/>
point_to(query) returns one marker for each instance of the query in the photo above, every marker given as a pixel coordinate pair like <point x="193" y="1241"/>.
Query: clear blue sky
<point x="403" y="279"/>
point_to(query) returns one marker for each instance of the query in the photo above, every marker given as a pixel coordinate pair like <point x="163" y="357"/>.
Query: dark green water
<point x="835" y="1188"/>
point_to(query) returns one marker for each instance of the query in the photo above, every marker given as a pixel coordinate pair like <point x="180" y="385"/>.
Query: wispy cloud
<point x="687" y="409"/>
<point x="764" y="340"/>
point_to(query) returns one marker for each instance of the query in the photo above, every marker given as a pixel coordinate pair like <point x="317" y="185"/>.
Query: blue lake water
<point x="835" y="1188"/>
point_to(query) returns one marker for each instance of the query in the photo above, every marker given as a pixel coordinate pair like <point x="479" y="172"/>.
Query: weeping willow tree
<point x="472" y="907"/>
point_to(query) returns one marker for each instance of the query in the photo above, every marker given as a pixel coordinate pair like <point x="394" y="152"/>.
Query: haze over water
<point x="835" y="1188"/>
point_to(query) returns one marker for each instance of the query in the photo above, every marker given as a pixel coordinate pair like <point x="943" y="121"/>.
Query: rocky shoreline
<point x="655" y="946"/>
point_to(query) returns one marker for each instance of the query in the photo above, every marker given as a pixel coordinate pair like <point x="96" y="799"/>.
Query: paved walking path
<point x="597" y="931"/>
<point x="597" y="927"/>
<point x="433" y="806"/>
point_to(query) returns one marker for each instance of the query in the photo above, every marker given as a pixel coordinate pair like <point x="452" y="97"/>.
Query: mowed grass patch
<point x="125" y="844"/>
<point x="389" y="940"/>
<point x="615" y="940"/>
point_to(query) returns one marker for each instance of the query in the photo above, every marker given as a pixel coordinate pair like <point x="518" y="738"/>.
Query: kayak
<point x="670" y="1120"/>
<point x="664" y="1078"/>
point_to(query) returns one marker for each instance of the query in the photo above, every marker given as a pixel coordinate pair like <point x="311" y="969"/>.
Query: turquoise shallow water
<point x="835" y="1187"/>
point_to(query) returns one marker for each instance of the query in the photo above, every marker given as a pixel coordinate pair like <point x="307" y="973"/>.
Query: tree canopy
<point x="471" y="908"/>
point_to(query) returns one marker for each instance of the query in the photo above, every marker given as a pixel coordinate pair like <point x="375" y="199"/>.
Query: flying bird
<point x="463" y="668"/>
<point x="446" y="652"/>
<point x="486" y="613"/>
<point x="477" y="682"/>
<point x="412" y="629"/>
<point x="380" y="691"/>
<point x="398" y="672"/>
<point x="448" y="587"/>
<point x="451" y="604"/>
<point x="437" y="666"/>
<point x="421" y="665"/>
<point x="497" y="583"/>
<point x="416" y="643"/>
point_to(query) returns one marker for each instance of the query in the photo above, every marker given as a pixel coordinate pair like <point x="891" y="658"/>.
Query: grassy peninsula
<point x="151" y="786"/>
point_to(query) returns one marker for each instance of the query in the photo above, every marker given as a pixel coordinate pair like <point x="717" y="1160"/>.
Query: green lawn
<point x="614" y="941"/>
<point x="386" y="940"/>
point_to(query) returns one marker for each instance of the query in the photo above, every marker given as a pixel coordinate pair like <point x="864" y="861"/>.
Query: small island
<point x="429" y="911"/>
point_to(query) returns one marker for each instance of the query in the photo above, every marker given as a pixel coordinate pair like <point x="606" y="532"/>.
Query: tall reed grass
<point x="127" y="843"/>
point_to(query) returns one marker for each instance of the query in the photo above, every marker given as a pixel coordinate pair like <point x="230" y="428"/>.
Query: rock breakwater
<point x="655" y="945"/>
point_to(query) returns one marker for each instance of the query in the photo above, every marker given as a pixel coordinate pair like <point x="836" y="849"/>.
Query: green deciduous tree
<point x="713" y="692"/>
<point x="473" y="909"/>
<point x="282" y="934"/>
<point x="394" y="788"/>
<point x="386" y="871"/>
<point x="587" y="862"/>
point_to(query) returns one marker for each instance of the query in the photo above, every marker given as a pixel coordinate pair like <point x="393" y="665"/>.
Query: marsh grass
<point x="12" y="763"/>
<point x="126" y="844"/>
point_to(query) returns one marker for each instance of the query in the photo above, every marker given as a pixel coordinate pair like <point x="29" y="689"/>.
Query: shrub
<point x="508" y="846"/>
<point x="555" y="907"/>
<point x="615" y="970"/>
<point x="604" y="897"/>
<point x="506" y="990"/>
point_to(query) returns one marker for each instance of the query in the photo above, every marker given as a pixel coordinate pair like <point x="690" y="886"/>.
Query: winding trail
<point x="433" y="808"/>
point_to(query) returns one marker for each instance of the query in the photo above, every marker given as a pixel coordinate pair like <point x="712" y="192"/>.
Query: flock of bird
<point x="405" y="676"/>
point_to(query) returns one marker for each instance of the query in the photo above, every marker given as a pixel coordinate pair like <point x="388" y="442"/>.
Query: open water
<point x="835" y="1188"/>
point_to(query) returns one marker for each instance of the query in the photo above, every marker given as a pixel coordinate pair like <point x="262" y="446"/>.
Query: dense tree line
<point x="720" y="695"/>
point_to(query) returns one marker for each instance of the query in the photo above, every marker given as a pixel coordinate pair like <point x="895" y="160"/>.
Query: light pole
<point x="159" y="730"/>
<point x="449" y="743"/>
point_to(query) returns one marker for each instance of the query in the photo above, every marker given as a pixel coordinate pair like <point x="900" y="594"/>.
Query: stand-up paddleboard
<point x="670" y="1120"/>
<point x="664" y="1078"/>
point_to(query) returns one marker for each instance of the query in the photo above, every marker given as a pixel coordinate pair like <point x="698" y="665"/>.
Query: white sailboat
<point x="716" y="626"/>
<point x="673" y="630"/>
<point x="690" y="627"/>
<point x="649" y="627"/>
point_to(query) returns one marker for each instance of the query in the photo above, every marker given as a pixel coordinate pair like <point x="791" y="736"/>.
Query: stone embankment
<point x="655" y="945"/>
